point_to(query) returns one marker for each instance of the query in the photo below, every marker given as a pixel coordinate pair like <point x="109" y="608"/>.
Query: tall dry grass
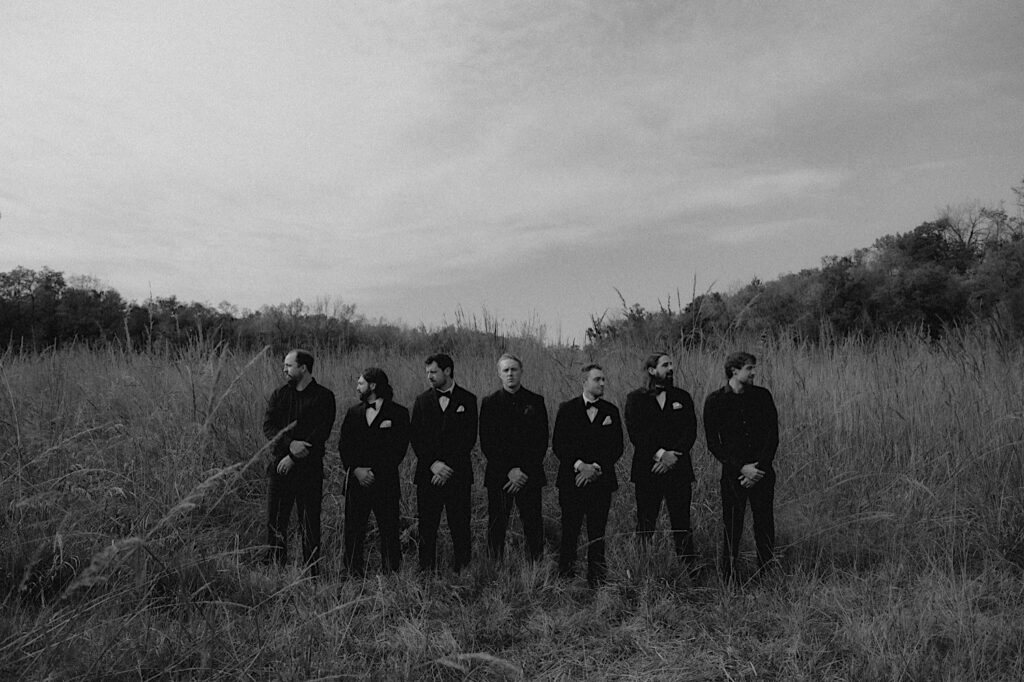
<point x="133" y="513"/>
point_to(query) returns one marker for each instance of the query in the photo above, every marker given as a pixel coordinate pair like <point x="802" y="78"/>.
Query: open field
<point x="132" y="491"/>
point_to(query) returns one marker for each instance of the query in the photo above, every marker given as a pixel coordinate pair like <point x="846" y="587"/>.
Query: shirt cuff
<point x="576" y="465"/>
<point x="659" y="454"/>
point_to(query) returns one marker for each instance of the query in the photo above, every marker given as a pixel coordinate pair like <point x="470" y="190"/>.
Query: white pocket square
<point x="677" y="406"/>
<point x="607" y="421"/>
<point x="386" y="424"/>
<point x="462" y="408"/>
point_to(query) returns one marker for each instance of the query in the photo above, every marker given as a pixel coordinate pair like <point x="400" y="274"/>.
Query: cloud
<point x="257" y="151"/>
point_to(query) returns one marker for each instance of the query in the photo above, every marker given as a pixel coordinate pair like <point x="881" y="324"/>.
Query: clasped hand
<point x="441" y="471"/>
<point x="750" y="475"/>
<point x="297" y="450"/>
<point x="516" y="481"/>
<point x="668" y="461"/>
<point x="588" y="473"/>
<point x="364" y="475"/>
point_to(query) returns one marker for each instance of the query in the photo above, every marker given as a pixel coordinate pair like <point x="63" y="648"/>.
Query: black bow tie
<point x="443" y="394"/>
<point x="589" y="404"/>
<point x="370" y="406"/>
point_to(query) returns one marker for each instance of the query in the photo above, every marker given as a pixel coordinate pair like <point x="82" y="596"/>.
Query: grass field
<point x="132" y="489"/>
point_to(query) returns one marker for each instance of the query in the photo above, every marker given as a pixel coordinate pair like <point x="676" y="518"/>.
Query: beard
<point x="666" y="380"/>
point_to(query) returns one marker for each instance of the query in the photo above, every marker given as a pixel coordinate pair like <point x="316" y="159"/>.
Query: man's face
<point x="593" y="383"/>
<point x="663" y="372"/>
<point x="745" y="375"/>
<point x="363" y="389"/>
<point x="439" y="378"/>
<point x="510" y="373"/>
<point x="293" y="372"/>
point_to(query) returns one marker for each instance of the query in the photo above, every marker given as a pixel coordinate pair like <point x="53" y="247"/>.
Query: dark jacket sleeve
<point x="770" y="433"/>
<point x="397" y="439"/>
<point x="689" y="434"/>
<point x="616" y="446"/>
<point x="565" y="441"/>
<point x="274" y="420"/>
<point x="467" y="437"/>
<point x="347" y="436"/>
<point x="491" y="444"/>
<point x="420" y="434"/>
<point x="323" y="420"/>
<point x="714" y="423"/>
<point x="273" y="415"/>
<point x="540" y="436"/>
<point x="639" y="433"/>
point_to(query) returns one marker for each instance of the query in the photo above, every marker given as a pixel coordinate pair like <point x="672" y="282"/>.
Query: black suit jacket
<point x="651" y="428"/>
<point x="448" y="436"/>
<point x="741" y="428"/>
<point x="514" y="433"/>
<point x="381" y="445"/>
<point x="313" y="412"/>
<point x="577" y="438"/>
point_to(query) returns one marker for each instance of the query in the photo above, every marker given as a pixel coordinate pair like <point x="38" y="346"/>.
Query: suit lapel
<point x="377" y="417"/>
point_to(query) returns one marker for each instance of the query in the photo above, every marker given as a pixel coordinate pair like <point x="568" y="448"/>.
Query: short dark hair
<point x="738" y="360"/>
<point x="303" y="357"/>
<point x="593" y="365"/>
<point x="379" y="378"/>
<point x="651" y="362"/>
<point x="443" y="360"/>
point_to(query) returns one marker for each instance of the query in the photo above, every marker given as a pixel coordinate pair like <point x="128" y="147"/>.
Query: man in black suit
<point x="742" y="429"/>
<point x="296" y="471"/>
<point x="373" y="441"/>
<point x="662" y="425"/>
<point x="514" y="440"/>
<point x="444" y="421"/>
<point x="587" y="442"/>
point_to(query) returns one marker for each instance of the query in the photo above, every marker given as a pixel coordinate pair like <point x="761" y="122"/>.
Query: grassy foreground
<point x="132" y="491"/>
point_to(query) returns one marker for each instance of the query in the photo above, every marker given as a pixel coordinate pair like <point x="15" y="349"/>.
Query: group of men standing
<point x="740" y="421"/>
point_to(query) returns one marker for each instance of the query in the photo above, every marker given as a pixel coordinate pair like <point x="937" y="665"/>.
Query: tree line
<point x="963" y="268"/>
<point x="42" y="309"/>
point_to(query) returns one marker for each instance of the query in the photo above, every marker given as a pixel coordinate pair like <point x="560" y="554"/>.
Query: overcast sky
<point x="416" y="158"/>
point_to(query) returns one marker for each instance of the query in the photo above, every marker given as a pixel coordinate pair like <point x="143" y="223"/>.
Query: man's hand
<point x="516" y="480"/>
<point x="442" y="472"/>
<point x="299" y="448"/>
<point x="588" y="473"/>
<point x="750" y="475"/>
<point x="285" y="465"/>
<point x="364" y="475"/>
<point x="667" y="461"/>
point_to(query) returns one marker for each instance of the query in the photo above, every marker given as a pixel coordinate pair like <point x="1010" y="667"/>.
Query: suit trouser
<point x="762" y="509"/>
<point x="302" y="487"/>
<point x="455" y="500"/>
<point x="499" y="506"/>
<point x="677" y="499"/>
<point x="382" y="499"/>
<point x="593" y="505"/>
